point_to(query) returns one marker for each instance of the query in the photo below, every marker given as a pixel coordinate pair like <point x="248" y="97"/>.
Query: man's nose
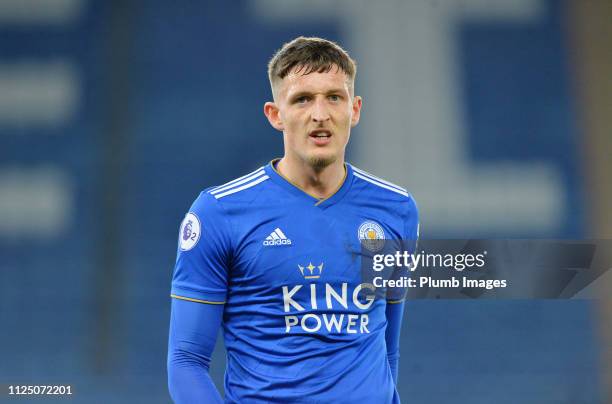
<point x="320" y="112"/>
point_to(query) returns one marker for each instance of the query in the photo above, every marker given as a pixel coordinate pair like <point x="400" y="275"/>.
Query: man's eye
<point x="334" y="98"/>
<point x="301" y="100"/>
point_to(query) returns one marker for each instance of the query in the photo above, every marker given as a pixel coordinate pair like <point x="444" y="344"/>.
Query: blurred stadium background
<point x="495" y="114"/>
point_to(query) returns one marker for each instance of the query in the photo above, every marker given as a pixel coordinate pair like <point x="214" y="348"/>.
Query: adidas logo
<point x="277" y="237"/>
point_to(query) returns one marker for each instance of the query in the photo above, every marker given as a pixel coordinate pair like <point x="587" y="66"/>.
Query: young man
<point x="274" y="257"/>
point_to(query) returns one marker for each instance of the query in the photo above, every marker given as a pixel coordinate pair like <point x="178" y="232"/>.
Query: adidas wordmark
<point x="276" y="238"/>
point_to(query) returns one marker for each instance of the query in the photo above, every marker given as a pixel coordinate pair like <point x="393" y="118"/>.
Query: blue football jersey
<point x="287" y="267"/>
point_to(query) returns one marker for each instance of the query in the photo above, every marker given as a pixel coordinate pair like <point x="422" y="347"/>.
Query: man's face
<point x="315" y="112"/>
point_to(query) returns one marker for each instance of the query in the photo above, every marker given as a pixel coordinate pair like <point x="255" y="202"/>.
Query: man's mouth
<point x="320" y="133"/>
<point x="321" y="137"/>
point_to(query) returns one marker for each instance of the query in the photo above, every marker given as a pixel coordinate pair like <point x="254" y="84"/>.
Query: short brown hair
<point x="310" y="55"/>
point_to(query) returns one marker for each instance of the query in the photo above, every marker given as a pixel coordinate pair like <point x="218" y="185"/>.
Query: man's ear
<point x="272" y="112"/>
<point x="356" y="110"/>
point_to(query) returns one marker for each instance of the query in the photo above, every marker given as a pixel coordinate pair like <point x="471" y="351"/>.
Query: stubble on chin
<point x="320" y="162"/>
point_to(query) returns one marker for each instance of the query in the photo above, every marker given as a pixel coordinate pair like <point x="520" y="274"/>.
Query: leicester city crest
<point x="371" y="235"/>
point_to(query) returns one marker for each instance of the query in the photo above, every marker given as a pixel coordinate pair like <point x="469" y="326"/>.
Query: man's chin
<point x="320" y="162"/>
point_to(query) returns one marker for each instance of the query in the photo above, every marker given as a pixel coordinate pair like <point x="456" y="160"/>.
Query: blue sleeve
<point x="193" y="333"/>
<point x="394" y="313"/>
<point x="204" y="251"/>
<point x="411" y="226"/>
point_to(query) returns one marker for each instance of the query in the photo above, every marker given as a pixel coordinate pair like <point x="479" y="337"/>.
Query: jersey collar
<point x="284" y="182"/>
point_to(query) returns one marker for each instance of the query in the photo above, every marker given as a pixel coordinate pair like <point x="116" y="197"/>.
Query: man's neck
<point x="320" y="183"/>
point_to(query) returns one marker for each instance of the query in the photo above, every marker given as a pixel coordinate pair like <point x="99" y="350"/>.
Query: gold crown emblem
<point x="311" y="271"/>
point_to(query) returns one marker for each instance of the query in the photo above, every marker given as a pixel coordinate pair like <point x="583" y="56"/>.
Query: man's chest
<point x="308" y="246"/>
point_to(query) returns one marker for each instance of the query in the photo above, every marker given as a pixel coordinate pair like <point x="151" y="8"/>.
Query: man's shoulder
<point x="386" y="198"/>
<point x="239" y="188"/>
<point x="232" y="195"/>
<point x="376" y="186"/>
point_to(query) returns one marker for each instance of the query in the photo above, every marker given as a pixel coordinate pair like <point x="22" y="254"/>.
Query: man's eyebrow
<point x="299" y="94"/>
<point x="303" y="93"/>
<point x="336" y="90"/>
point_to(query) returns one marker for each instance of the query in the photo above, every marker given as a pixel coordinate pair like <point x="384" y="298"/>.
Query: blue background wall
<point x="170" y="101"/>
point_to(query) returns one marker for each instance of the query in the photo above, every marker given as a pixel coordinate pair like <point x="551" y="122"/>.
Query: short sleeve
<point x="203" y="254"/>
